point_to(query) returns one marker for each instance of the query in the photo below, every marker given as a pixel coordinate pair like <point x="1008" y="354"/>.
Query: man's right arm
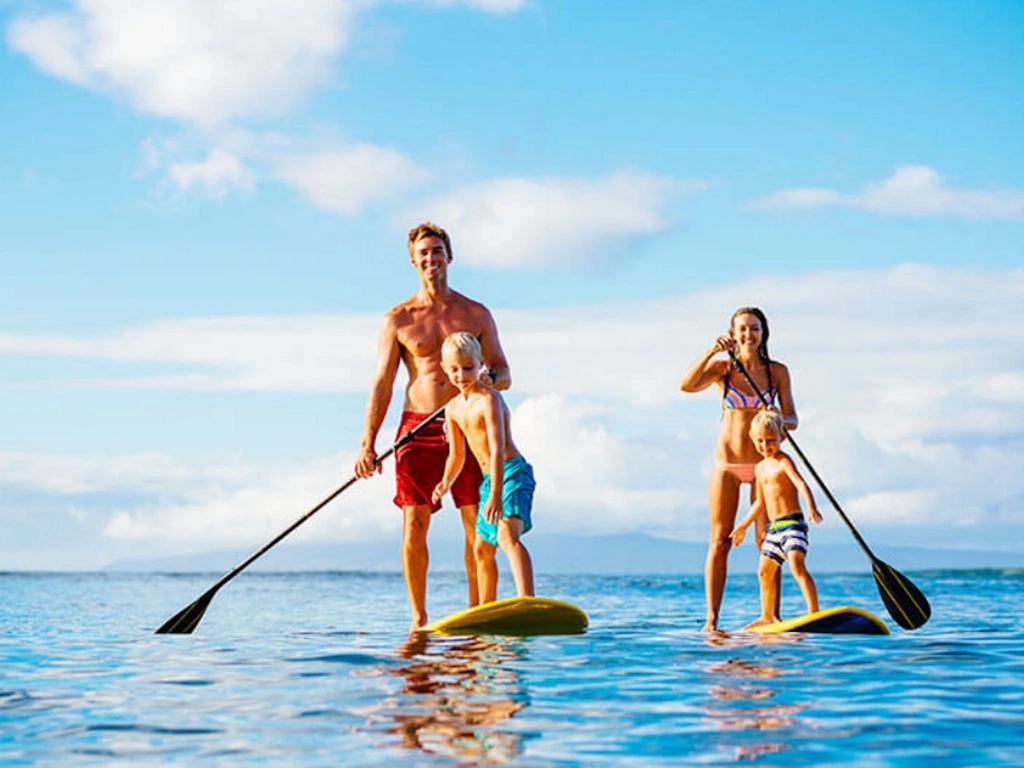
<point x="388" y="357"/>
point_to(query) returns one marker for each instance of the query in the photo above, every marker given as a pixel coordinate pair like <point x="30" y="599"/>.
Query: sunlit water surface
<point x="316" y="669"/>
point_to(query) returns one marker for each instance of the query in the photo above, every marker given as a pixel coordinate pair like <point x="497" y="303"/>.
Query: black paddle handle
<point x="810" y="467"/>
<point x="337" y="492"/>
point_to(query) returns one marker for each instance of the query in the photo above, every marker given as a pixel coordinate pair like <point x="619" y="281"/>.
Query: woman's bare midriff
<point x="734" y="444"/>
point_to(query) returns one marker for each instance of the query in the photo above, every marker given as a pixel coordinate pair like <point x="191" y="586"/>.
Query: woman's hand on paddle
<point x="723" y="343"/>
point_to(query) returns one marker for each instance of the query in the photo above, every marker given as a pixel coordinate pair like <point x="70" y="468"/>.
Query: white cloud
<point x="304" y="353"/>
<point x="345" y="179"/>
<point x="514" y="222"/>
<point x="202" y="61"/>
<point x="913" y="190"/>
<point x="907" y="382"/>
<point x="217" y="175"/>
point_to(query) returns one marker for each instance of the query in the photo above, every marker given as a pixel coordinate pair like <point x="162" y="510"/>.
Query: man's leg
<point x="415" y="559"/>
<point x="469" y="526"/>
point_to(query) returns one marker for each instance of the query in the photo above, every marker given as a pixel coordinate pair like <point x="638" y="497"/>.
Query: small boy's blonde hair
<point x="464" y="345"/>
<point x="766" y="421"/>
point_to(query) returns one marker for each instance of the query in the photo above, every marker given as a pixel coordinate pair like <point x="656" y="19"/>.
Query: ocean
<point x="317" y="669"/>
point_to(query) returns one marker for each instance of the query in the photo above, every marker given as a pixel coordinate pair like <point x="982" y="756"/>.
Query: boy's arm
<point x="494" y="420"/>
<point x="740" y="531"/>
<point x="456" y="456"/>
<point x="801" y="485"/>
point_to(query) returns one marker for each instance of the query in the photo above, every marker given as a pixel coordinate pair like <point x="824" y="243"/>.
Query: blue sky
<point x="204" y="207"/>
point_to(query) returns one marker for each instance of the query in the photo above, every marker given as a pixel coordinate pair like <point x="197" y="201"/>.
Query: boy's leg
<point x="486" y="570"/>
<point x="469" y="526"/>
<point x="767" y="572"/>
<point x="797" y="564"/>
<point x="509" y="531"/>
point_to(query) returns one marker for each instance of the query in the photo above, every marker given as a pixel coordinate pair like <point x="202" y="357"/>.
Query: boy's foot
<point x="762" y="622"/>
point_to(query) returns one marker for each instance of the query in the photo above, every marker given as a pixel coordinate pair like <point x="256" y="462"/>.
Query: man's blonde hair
<point x="429" y="229"/>
<point x="766" y="421"/>
<point x="464" y="345"/>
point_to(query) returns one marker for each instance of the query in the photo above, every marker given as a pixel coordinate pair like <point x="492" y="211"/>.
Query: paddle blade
<point x="188" y="618"/>
<point x="905" y="602"/>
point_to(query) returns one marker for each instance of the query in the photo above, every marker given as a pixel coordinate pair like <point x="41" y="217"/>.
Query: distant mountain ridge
<point x="633" y="553"/>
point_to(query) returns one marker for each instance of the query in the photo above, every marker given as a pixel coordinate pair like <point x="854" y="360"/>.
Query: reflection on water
<point x="454" y="692"/>
<point x="742" y="693"/>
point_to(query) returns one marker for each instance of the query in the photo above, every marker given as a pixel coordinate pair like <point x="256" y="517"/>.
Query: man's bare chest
<point x="424" y="334"/>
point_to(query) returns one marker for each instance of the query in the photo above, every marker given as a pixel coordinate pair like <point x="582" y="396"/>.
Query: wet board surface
<point x="844" y="620"/>
<point x="519" y="616"/>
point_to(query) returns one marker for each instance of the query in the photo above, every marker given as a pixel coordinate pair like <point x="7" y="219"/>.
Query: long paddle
<point x="905" y="602"/>
<point x="188" y="618"/>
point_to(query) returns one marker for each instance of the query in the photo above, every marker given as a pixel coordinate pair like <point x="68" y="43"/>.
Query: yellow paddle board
<point x="833" y="621"/>
<point x="519" y="616"/>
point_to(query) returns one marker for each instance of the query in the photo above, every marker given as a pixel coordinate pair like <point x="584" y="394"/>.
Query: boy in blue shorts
<point x="778" y="487"/>
<point x="477" y="415"/>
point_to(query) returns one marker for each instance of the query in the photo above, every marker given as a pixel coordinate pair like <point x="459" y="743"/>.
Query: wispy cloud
<point x="220" y="173"/>
<point x="514" y="222"/>
<point x="344" y="179"/>
<point x="913" y="190"/>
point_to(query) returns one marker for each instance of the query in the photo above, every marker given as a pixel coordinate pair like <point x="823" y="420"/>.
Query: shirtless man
<point x="412" y="335"/>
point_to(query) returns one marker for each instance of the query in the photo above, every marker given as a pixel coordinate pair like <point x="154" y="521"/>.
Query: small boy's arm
<point x="740" y="531"/>
<point x="805" y="490"/>
<point x="456" y="458"/>
<point x="495" y="424"/>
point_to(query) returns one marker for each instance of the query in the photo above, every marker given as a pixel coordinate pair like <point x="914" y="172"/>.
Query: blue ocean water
<point x="316" y="669"/>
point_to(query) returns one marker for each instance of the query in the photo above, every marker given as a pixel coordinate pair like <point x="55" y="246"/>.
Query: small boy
<point x="777" y="485"/>
<point x="479" y="415"/>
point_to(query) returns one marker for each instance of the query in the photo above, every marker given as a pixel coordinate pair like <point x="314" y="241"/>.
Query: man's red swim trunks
<point x="419" y="465"/>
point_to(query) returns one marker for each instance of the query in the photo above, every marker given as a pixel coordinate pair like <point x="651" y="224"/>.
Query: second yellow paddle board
<point x="518" y="616"/>
<point x="843" y="620"/>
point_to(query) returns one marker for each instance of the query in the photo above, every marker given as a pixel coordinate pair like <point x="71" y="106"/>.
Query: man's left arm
<point x="493" y="354"/>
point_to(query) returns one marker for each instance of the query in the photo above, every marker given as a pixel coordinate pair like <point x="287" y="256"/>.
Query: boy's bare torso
<point x="780" y="495"/>
<point x="470" y="412"/>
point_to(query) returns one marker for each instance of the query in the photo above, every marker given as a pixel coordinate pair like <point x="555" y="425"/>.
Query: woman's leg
<point x="723" y="500"/>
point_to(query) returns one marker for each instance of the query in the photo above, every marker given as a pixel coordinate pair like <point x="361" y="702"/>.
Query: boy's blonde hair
<point x="464" y="345"/>
<point x="766" y="421"/>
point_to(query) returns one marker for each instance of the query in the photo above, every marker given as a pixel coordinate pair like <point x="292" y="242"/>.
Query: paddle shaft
<point x="205" y="598"/>
<point x="810" y="467"/>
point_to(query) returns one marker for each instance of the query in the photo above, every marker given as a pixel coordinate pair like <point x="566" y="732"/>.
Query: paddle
<point x="905" y="602"/>
<point x="188" y="618"/>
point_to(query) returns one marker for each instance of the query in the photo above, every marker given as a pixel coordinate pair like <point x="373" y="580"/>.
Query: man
<point x="412" y="335"/>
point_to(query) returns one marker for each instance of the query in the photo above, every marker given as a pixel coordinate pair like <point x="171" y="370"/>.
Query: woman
<point x="735" y="455"/>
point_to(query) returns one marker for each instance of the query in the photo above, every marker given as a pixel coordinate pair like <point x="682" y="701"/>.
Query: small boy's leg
<point x="767" y="571"/>
<point x="486" y="570"/>
<point x="509" y="531"/>
<point x="797" y="564"/>
<point x="469" y="526"/>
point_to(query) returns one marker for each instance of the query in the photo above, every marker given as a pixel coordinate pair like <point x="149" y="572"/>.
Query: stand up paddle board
<point x="519" y="616"/>
<point x="833" y="621"/>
